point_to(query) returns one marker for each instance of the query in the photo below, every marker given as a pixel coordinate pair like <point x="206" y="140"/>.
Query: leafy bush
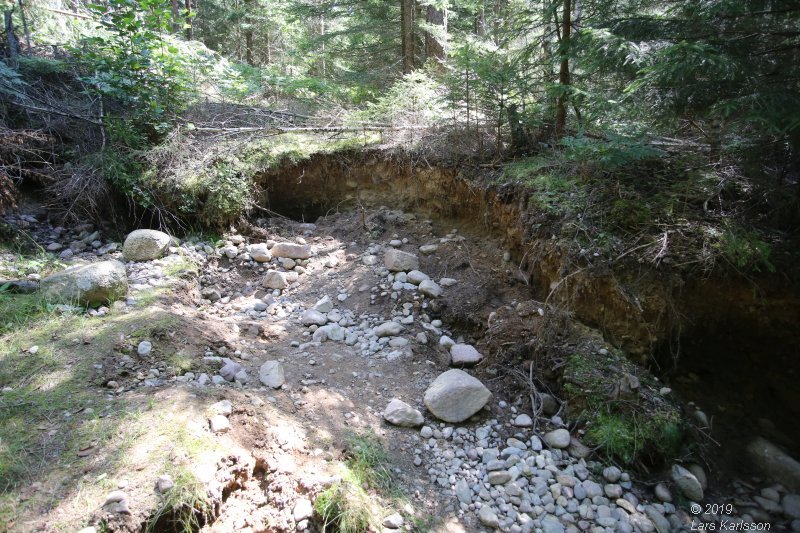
<point x="131" y="60"/>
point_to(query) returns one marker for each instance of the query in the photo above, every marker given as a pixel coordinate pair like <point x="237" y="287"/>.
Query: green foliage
<point x="607" y="154"/>
<point x="640" y="428"/>
<point x="347" y="505"/>
<point x="131" y="60"/>
<point x="629" y="437"/>
<point x="746" y="250"/>
<point x="185" y="507"/>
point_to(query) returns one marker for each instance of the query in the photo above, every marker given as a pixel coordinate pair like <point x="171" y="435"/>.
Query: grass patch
<point x="185" y="507"/>
<point x="18" y="310"/>
<point x="347" y="505"/>
<point x="639" y="427"/>
<point x="182" y="267"/>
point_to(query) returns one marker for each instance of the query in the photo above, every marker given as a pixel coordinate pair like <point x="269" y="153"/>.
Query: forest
<point x="411" y="265"/>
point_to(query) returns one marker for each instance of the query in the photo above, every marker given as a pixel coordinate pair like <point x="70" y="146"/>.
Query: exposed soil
<point x="735" y="359"/>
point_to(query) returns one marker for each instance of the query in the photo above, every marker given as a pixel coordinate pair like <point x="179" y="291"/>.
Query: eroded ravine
<point x="725" y="341"/>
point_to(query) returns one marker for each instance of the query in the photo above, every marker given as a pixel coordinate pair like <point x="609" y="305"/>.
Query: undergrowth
<point x="348" y="505"/>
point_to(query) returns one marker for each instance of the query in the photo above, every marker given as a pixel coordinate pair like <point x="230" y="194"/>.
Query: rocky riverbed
<point x="290" y="328"/>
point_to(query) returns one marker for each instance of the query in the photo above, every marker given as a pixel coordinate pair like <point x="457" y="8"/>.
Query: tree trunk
<point x="25" y="27"/>
<point x="189" y="21"/>
<point x="563" y="72"/>
<point x="176" y="15"/>
<point x="267" y="51"/>
<point x="480" y="23"/>
<point x="11" y="38"/>
<point x="407" y="34"/>
<point x="434" y="45"/>
<point x="248" y="32"/>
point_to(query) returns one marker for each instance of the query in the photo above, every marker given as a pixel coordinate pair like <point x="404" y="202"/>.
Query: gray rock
<point x="260" y="253"/>
<point x="775" y="463"/>
<point x="399" y="413"/>
<point x="230" y="369"/>
<point x="455" y="396"/>
<point x="426" y="432"/>
<point x="558" y="438"/>
<point x="333" y="332"/>
<point x="523" y="421"/>
<point x="222" y="407"/>
<point x="791" y="506"/>
<point x="388" y="329"/>
<point x="428" y="249"/>
<point x="144" y="348"/>
<point x="274" y="280"/>
<point x="219" y="424"/>
<point x="303" y="508"/>
<point x="145" y="245"/>
<point x="499" y="477"/>
<point x="164" y="483"/>
<point x="324" y="305"/>
<point x="117" y="502"/>
<point x="464" y="354"/>
<point x="313" y="317"/>
<point x="430" y="288"/>
<point x="463" y="492"/>
<point x="612" y="474"/>
<point x="662" y="493"/>
<point x="100" y="282"/>
<point x="393" y="521"/>
<point x="687" y="483"/>
<point x="551" y="524"/>
<point x="488" y="517"/>
<point x="658" y="520"/>
<point x="291" y="250"/>
<point x="416" y="277"/>
<point x="399" y="261"/>
<point x="271" y="374"/>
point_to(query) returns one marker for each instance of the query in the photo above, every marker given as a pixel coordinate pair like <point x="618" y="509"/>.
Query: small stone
<point x="430" y="288"/>
<point x="144" y="348"/>
<point x="558" y="438"/>
<point x="399" y="413"/>
<point x="291" y="250"/>
<point x="523" y="421"/>
<point x="388" y="329"/>
<point x="612" y="474"/>
<point x="271" y="374"/>
<point x="164" y="483"/>
<point x="464" y="354"/>
<point x="499" y="477"/>
<point x="219" y="424"/>
<point x="426" y="432"/>
<point x="428" y="249"/>
<point x="399" y="261"/>
<point x="303" y="510"/>
<point x="393" y="521"/>
<point x="313" y="317"/>
<point x="488" y="517"/>
<point x="274" y="280"/>
<point x="223" y="407"/>
<point x="662" y="493"/>
<point x="687" y="483"/>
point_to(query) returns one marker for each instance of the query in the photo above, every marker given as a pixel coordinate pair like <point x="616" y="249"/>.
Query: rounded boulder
<point x="145" y="245"/>
<point x="455" y="396"/>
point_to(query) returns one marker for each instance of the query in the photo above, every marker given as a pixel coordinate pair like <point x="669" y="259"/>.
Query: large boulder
<point x="775" y="464"/>
<point x="91" y="283"/>
<point x="400" y="413"/>
<point x="455" y="396"/>
<point x="145" y="245"/>
<point x="398" y="261"/>
<point x="291" y="250"/>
